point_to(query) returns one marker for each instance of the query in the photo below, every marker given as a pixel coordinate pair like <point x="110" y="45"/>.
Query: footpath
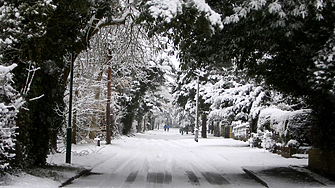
<point x="287" y="176"/>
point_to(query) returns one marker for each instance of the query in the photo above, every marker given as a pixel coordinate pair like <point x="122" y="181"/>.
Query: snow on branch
<point x="96" y="24"/>
<point x="31" y="73"/>
<point x="5" y="70"/>
<point x="113" y="21"/>
<point x="169" y="9"/>
<point x="282" y="8"/>
<point x="10" y="102"/>
<point x="36" y="98"/>
<point x="211" y="15"/>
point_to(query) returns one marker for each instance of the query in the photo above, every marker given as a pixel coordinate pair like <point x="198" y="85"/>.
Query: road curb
<point x="255" y="177"/>
<point x="81" y="173"/>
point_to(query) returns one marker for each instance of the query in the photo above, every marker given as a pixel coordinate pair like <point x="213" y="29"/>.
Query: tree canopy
<point x="289" y="44"/>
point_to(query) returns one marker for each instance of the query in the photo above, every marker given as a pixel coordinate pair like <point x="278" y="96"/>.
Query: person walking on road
<point x="181" y="130"/>
<point x="164" y="127"/>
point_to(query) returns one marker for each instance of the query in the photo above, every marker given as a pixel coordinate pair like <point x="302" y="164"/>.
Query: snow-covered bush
<point x="267" y="141"/>
<point x="287" y="125"/>
<point x="293" y="144"/>
<point x="10" y="102"/>
<point x="263" y="140"/>
<point x="255" y="139"/>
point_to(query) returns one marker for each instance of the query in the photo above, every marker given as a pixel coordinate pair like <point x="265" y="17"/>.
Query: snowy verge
<point x="24" y="180"/>
<point x="57" y="173"/>
<point x="48" y="176"/>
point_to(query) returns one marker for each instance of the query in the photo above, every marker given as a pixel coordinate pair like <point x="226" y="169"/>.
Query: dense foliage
<point x="48" y="35"/>
<point x="289" y="44"/>
<point x="10" y="102"/>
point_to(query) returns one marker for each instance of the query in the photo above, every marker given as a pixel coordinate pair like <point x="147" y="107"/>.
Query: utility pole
<point x="69" y="129"/>
<point x="197" y="113"/>
<point x="109" y="94"/>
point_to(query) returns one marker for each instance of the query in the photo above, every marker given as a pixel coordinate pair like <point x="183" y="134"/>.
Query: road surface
<point x="168" y="159"/>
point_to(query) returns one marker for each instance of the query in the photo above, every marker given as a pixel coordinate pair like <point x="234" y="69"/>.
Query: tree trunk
<point x="204" y="127"/>
<point x="93" y="125"/>
<point x="217" y="129"/>
<point x="112" y="122"/>
<point x="139" y="126"/>
<point x="109" y="92"/>
<point x="144" y="127"/>
<point x="153" y="124"/>
<point x="212" y="128"/>
<point x="95" y="118"/>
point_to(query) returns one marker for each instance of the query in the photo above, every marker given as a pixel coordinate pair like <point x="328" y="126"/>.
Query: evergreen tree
<point x="10" y="102"/>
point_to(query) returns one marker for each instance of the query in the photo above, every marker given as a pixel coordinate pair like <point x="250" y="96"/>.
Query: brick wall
<point x="322" y="161"/>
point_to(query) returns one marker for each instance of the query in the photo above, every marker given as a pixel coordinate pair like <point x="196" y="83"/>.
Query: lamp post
<point x="197" y="113"/>
<point x="69" y="129"/>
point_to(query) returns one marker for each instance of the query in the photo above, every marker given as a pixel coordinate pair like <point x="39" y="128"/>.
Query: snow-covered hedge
<point x="288" y="125"/>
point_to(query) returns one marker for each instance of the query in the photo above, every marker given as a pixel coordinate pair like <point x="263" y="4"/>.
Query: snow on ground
<point x="28" y="181"/>
<point x="137" y="161"/>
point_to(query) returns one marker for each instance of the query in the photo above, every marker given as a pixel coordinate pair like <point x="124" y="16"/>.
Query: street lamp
<point x="69" y="129"/>
<point x="197" y="112"/>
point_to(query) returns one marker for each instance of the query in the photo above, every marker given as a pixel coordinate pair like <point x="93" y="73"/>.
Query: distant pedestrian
<point x="181" y="130"/>
<point x="164" y="127"/>
<point x="168" y="127"/>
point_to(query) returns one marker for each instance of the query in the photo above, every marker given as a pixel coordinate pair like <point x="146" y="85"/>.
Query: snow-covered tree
<point x="240" y="102"/>
<point x="48" y="33"/>
<point x="289" y="44"/>
<point x="185" y="98"/>
<point x="10" y="103"/>
<point x="286" y="43"/>
<point x="137" y="71"/>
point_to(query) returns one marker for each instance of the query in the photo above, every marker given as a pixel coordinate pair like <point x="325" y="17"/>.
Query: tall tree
<point x="46" y="33"/>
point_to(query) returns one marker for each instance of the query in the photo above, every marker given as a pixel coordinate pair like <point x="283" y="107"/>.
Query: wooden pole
<point x="197" y="113"/>
<point x="108" y="113"/>
<point x="109" y="94"/>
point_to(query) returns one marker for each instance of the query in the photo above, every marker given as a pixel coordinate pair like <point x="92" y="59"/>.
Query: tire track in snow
<point x="185" y="168"/>
<point x="161" y="162"/>
<point x="192" y="178"/>
<point x="163" y="169"/>
<point x="159" y="169"/>
<point x="202" y="167"/>
<point x="231" y="172"/>
<point x="114" y="171"/>
<point x="133" y="174"/>
<point x="214" y="177"/>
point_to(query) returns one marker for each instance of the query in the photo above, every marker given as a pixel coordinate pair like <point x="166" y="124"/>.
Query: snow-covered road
<point x="168" y="159"/>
